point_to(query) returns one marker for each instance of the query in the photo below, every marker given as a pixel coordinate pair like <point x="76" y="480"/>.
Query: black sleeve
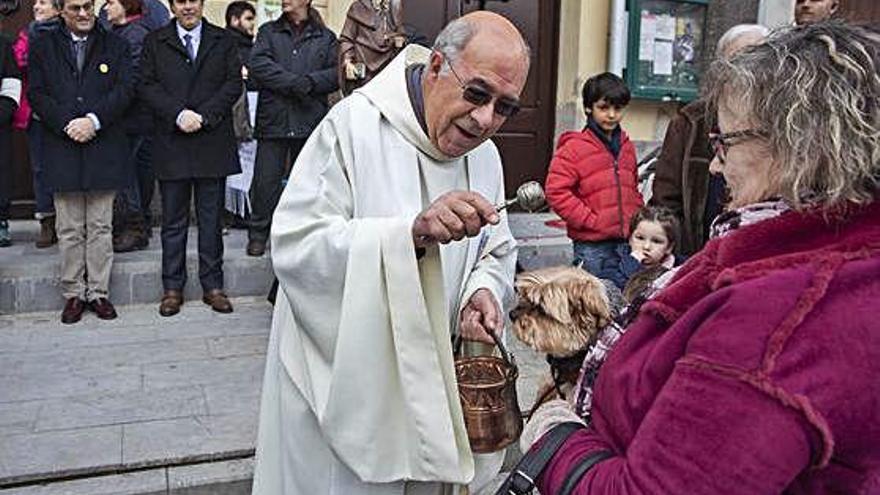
<point x="54" y="114"/>
<point x="115" y="103"/>
<point x="10" y="83"/>
<point x="166" y="105"/>
<point x="265" y="70"/>
<point x="324" y="79"/>
<point x="219" y="106"/>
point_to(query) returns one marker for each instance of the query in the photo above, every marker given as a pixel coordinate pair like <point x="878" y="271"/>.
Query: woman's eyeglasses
<point x="722" y="142"/>
<point x="475" y="95"/>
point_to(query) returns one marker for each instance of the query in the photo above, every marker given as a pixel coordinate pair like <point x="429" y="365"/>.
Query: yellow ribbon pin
<point x="103" y="68"/>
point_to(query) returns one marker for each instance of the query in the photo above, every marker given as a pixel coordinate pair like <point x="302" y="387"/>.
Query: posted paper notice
<point x="647" y="35"/>
<point x="663" y="58"/>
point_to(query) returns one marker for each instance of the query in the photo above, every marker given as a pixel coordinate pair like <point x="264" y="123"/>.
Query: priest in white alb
<point x="386" y="244"/>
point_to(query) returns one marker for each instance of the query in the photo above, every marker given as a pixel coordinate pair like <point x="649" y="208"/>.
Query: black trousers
<point x="270" y="171"/>
<point x="176" y="197"/>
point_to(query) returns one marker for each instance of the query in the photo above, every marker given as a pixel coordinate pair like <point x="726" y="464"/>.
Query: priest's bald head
<point x="473" y="81"/>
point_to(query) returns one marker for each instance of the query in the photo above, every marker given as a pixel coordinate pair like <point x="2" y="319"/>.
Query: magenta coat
<point x="757" y="371"/>
<point x="20" y="48"/>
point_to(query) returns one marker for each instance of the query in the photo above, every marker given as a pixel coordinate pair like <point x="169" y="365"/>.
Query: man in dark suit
<point x="191" y="76"/>
<point x="80" y="86"/>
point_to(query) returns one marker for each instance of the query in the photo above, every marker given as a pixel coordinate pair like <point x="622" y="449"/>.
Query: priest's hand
<point x="480" y="316"/>
<point x="452" y="217"/>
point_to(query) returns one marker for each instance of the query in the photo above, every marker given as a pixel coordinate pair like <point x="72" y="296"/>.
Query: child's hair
<point x="662" y="215"/>
<point x="605" y="86"/>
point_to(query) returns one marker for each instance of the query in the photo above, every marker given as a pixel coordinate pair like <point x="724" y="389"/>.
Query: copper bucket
<point x="487" y="390"/>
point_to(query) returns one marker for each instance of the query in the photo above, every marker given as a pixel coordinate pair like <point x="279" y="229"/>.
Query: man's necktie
<point x="188" y="44"/>
<point x="79" y="50"/>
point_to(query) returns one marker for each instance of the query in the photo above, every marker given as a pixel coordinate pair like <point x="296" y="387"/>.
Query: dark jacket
<point x="10" y="84"/>
<point x="155" y="15"/>
<point x="294" y="72"/>
<point x="59" y="94"/>
<point x="209" y="87"/>
<point x="681" y="180"/>
<point x="134" y="32"/>
<point x="594" y="191"/>
<point x="138" y="118"/>
<point x="243" y="43"/>
<point x="10" y="95"/>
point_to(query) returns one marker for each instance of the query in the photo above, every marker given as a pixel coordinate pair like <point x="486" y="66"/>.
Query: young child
<point x="652" y="239"/>
<point x="655" y="232"/>
<point x="593" y="178"/>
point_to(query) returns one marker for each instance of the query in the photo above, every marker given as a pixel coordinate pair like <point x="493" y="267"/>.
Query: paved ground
<point x="140" y="391"/>
<point x="145" y="404"/>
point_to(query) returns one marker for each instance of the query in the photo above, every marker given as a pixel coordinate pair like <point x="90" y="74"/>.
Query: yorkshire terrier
<point x="560" y="313"/>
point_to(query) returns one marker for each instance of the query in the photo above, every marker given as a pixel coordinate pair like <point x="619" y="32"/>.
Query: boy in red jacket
<point x="593" y="178"/>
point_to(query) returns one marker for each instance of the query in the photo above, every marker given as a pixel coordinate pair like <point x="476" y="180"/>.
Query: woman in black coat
<point x="130" y="219"/>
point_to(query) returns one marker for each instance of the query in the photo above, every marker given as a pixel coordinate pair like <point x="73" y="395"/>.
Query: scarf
<point x="723" y="225"/>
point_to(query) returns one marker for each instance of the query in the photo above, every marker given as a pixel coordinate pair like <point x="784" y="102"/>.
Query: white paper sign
<point x="663" y="58"/>
<point x="665" y="27"/>
<point x="646" y="37"/>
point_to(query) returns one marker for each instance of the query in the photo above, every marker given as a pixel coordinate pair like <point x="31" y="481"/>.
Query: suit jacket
<point x="59" y="94"/>
<point x="209" y="86"/>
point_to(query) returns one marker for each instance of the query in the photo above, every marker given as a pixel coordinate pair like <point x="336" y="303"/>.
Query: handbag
<point x="241" y="118"/>
<point x="521" y="480"/>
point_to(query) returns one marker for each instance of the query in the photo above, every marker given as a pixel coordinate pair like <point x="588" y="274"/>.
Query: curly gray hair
<point x="815" y="91"/>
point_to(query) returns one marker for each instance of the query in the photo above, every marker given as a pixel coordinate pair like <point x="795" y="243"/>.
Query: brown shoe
<point x="172" y="300"/>
<point x="255" y="247"/>
<point x="47" y="236"/>
<point x="103" y="308"/>
<point x="73" y="310"/>
<point x="218" y="301"/>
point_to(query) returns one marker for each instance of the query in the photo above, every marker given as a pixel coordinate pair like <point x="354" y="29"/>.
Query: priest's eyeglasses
<point x="722" y="142"/>
<point x="477" y="95"/>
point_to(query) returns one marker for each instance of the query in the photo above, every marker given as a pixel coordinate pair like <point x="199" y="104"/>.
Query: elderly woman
<point x="755" y="369"/>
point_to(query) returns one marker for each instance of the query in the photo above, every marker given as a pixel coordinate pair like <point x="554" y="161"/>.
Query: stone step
<point x="29" y="277"/>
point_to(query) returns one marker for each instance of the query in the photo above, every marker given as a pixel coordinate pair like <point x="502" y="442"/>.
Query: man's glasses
<point x="476" y="95"/>
<point x="722" y="142"/>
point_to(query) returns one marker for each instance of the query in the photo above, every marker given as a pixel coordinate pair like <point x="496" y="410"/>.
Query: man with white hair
<point x="682" y="181"/>
<point x="385" y="244"/>
<point x="813" y="11"/>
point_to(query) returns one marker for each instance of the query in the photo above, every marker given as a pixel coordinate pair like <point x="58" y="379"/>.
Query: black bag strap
<point x="574" y="477"/>
<point x="521" y="480"/>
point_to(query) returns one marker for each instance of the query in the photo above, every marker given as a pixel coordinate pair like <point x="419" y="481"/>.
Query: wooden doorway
<point x="525" y="141"/>
<point x="861" y="11"/>
<point x="19" y="171"/>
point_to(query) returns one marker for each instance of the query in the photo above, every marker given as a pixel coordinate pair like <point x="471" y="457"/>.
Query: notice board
<point x="666" y="43"/>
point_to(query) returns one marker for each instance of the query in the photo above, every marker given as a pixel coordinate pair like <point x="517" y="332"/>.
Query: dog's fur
<point x="561" y="310"/>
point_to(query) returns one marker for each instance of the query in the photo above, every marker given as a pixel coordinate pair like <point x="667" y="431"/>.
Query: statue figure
<point x="372" y="36"/>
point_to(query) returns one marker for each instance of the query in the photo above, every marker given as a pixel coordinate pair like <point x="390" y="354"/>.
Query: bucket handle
<point x="506" y="355"/>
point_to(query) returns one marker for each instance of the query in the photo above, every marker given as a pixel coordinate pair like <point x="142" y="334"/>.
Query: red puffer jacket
<point x="595" y="194"/>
